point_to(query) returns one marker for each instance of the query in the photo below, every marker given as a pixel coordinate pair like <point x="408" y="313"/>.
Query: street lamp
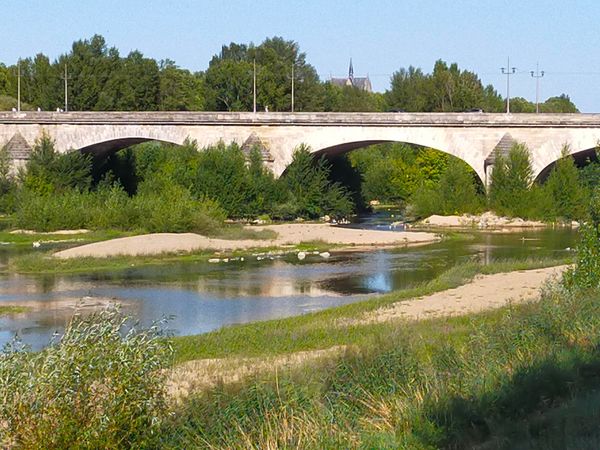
<point x="292" y="87"/>
<point x="508" y="71"/>
<point x="254" y="84"/>
<point x="19" y="85"/>
<point x="537" y="75"/>
<point x="66" y="78"/>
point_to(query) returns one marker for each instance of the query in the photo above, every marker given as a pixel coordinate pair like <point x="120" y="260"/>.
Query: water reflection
<point x="203" y="296"/>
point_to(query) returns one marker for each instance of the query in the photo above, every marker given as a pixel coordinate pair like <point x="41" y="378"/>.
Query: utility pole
<point x="254" y="85"/>
<point x="537" y="75"/>
<point x="66" y="78"/>
<point x="19" y="85"/>
<point x="292" y="87"/>
<point x="508" y="71"/>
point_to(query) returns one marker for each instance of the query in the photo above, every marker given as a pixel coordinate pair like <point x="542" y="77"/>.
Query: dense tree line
<point x="100" y="79"/>
<point x="158" y="187"/>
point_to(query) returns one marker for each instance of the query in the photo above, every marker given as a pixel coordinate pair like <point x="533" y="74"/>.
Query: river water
<point x="201" y="297"/>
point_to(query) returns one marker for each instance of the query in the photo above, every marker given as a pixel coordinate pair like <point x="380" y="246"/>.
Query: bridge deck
<point x="305" y="119"/>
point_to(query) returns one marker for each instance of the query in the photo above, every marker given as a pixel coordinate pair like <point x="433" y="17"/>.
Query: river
<point x="200" y="297"/>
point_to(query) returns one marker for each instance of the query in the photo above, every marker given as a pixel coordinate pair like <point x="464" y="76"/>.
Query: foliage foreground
<point x="504" y="379"/>
<point x="98" y="386"/>
<point x="523" y="376"/>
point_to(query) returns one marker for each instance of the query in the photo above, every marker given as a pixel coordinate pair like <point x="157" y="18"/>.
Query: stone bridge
<point x="472" y="137"/>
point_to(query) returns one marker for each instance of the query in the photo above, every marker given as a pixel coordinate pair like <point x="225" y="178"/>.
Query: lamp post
<point x="537" y="75"/>
<point x="19" y="85"/>
<point x="292" y="87"/>
<point x="254" y="85"/>
<point x="508" y="71"/>
<point x="66" y="78"/>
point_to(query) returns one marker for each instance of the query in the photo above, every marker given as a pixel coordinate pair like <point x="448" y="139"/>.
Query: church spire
<point x="351" y="72"/>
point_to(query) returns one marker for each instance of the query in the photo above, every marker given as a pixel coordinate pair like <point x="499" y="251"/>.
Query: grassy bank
<point x="25" y="240"/>
<point x="319" y="330"/>
<point x="4" y="310"/>
<point x="517" y="377"/>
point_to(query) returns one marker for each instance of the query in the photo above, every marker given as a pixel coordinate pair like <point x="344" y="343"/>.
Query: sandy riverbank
<point x="485" y="221"/>
<point x="287" y="234"/>
<point x="483" y="293"/>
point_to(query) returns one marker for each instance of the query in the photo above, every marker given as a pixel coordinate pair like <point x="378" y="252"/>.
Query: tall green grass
<point x="443" y="383"/>
<point x="98" y="386"/>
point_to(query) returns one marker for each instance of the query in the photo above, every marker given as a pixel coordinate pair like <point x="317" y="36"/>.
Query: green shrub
<point x="511" y="179"/>
<point x="454" y="193"/>
<point x="98" y="386"/>
<point x="564" y="189"/>
<point x="160" y="206"/>
<point x="311" y="193"/>
<point x="223" y="176"/>
<point x="48" y="171"/>
<point x="586" y="272"/>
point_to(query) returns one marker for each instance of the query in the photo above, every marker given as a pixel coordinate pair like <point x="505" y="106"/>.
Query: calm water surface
<point x="201" y="297"/>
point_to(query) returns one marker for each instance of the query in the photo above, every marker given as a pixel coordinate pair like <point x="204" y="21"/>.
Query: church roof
<point x="362" y="83"/>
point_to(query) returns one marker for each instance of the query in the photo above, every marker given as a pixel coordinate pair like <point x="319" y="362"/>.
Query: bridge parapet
<point x="316" y="118"/>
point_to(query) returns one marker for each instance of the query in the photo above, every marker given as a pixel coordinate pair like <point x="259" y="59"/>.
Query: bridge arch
<point x="580" y="156"/>
<point x="106" y="147"/>
<point x="346" y="147"/>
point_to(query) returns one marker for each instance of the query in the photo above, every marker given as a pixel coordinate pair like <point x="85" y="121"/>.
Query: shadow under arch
<point x="341" y="149"/>
<point x="582" y="158"/>
<point x="105" y="148"/>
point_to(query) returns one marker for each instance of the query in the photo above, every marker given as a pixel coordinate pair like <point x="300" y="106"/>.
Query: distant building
<point x="362" y="83"/>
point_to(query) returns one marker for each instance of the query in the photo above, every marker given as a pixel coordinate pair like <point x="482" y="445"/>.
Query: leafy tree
<point x="586" y="272"/>
<point x="133" y="85"/>
<point x="47" y="92"/>
<point x="5" y="85"/>
<point x="521" y="105"/>
<point x="560" y="104"/>
<point x="264" y="190"/>
<point x="221" y="175"/>
<point x="590" y="173"/>
<point x="510" y="182"/>
<point x="351" y="99"/>
<point x="565" y="190"/>
<point x="454" y="193"/>
<point x="180" y="90"/>
<point x="229" y="77"/>
<point x="410" y="90"/>
<point x="311" y="192"/>
<point x="432" y="164"/>
<point x="229" y="86"/>
<point x="48" y="171"/>
<point x="90" y="66"/>
<point x="446" y="89"/>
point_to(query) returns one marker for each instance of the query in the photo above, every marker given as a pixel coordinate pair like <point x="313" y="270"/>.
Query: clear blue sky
<point x="380" y="35"/>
